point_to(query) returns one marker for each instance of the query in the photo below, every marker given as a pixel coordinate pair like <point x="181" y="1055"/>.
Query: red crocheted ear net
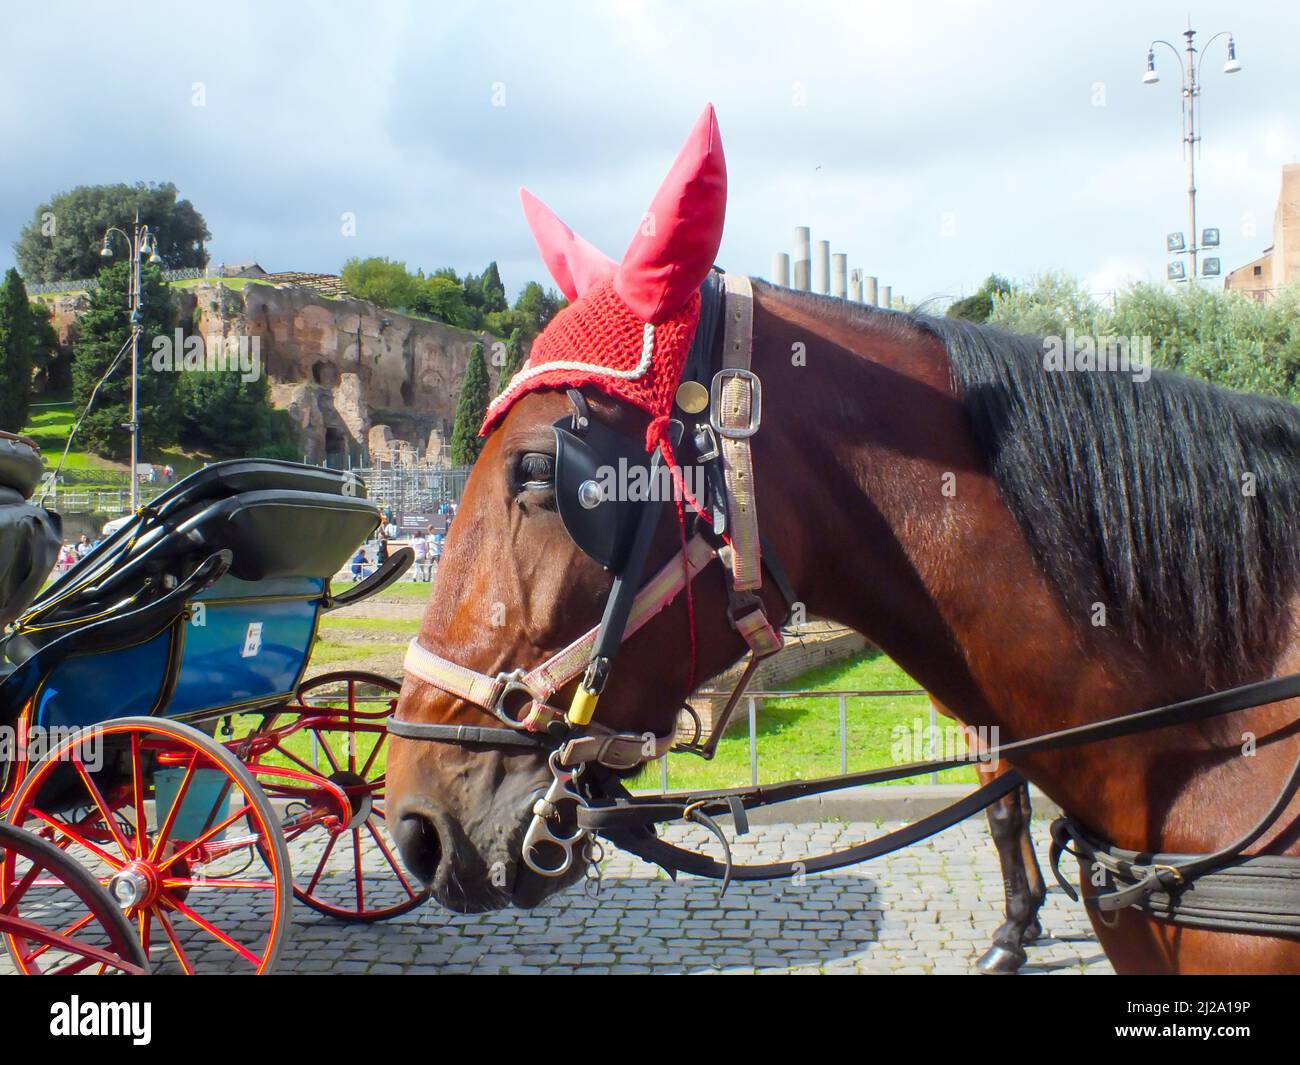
<point x="599" y="342"/>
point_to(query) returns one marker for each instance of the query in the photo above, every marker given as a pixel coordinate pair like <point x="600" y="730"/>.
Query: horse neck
<point x="890" y="523"/>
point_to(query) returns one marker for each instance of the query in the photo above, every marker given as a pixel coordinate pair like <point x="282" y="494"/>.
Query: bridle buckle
<point x="513" y="681"/>
<point x="716" y="413"/>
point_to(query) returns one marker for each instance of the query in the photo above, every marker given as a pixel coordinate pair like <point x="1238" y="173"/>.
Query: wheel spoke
<point x="75" y="837"/>
<point x="165" y="831"/>
<point x="177" y="949"/>
<point x="185" y="848"/>
<point x="388" y="856"/>
<point x="104" y="809"/>
<point x="214" y="931"/>
<point x="137" y="789"/>
<point x="356" y="866"/>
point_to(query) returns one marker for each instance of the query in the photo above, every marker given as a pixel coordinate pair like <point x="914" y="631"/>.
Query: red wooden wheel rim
<point x="107" y="833"/>
<point x="367" y="839"/>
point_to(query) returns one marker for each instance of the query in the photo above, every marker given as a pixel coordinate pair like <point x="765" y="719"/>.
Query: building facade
<point x="1280" y="263"/>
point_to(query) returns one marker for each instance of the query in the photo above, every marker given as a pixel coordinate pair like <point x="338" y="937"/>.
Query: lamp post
<point x="1191" y="89"/>
<point x="140" y="242"/>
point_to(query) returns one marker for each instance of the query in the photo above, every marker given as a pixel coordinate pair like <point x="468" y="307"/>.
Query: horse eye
<point x="536" y="471"/>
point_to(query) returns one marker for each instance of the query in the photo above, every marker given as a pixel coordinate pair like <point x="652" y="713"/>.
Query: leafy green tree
<point x="222" y="413"/>
<point x="978" y="307"/>
<point x="380" y="281"/>
<point x="1049" y="306"/>
<point x="53" y="369"/>
<point x="539" y="305"/>
<point x="442" y="298"/>
<point x="64" y="238"/>
<point x="105" y="328"/>
<point x="471" y="407"/>
<point x="18" y="339"/>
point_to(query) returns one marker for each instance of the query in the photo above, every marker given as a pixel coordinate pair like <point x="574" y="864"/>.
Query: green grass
<point x="799" y="738"/>
<point x="415" y="591"/>
<point x="50" y="422"/>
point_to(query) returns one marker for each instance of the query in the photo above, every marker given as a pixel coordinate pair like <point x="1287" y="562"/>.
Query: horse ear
<point x="575" y="264"/>
<point x="677" y="241"/>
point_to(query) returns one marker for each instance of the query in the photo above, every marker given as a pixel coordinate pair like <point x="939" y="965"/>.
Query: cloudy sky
<point x="932" y="142"/>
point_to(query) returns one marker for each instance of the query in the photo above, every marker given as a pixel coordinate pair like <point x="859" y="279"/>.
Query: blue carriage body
<point x="240" y="647"/>
<point x="206" y="604"/>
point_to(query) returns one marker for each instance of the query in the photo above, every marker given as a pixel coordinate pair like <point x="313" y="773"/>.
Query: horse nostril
<point x="417" y="839"/>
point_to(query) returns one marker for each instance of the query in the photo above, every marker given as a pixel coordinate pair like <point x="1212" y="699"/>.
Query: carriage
<point x="166" y="749"/>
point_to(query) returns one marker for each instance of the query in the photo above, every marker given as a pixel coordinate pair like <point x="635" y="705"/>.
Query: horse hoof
<point x="1033" y="932"/>
<point x="1000" y="961"/>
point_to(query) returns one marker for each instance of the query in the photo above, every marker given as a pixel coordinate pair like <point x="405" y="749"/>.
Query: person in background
<point x="358" y="563"/>
<point x="420" y="545"/>
<point x="381" y="552"/>
<point x="83" y="545"/>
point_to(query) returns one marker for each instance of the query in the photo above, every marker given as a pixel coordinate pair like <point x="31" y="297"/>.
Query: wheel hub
<point x="135" y="886"/>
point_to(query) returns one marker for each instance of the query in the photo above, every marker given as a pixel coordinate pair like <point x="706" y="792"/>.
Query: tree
<point x="471" y="407"/>
<point x="222" y="413"/>
<point x="514" y="358"/>
<point x="492" y="291"/>
<point x="105" y="328"/>
<point x="978" y="307"/>
<point x="380" y="281"/>
<point x="18" y="339"/>
<point x="539" y="305"/>
<point x="64" y="238"/>
<point x="53" y="372"/>
<point x="442" y="298"/>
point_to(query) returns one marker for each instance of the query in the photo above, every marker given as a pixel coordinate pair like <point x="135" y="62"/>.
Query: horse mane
<point x="1136" y="494"/>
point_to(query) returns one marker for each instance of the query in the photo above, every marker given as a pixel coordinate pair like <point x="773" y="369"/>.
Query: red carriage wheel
<point x="337" y="730"/>
<point x="178" y="831"/>
<point x="69" y="923"/>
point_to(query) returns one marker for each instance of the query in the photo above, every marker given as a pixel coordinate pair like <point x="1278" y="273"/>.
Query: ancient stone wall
<point x="341" y="368"/>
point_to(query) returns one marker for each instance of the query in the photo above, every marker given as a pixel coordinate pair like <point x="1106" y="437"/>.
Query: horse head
<point x="565" y="549"/>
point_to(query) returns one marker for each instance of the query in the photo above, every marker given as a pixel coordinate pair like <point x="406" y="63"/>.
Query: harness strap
<point x="735" y="414"/>
<point x="544" y="680"/>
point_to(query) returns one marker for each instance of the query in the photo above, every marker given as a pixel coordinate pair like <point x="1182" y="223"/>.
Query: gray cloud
<point x="934" y="144"/>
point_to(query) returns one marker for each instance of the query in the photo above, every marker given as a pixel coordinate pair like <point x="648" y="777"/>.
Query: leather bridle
<point x="727" y="531"/>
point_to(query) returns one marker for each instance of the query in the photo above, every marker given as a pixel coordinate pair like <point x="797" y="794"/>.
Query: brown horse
<point x="887" y="510"/>
<point x="1036" y="548"/>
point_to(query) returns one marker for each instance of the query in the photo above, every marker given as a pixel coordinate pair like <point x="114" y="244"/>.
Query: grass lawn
<point x="415" y="591"/>
<point x="799" y="738"/>
<point x="49" y="424"/>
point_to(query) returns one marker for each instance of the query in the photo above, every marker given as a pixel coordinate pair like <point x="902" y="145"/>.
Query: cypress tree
<point x="471" y="407"/>
<point x="17" y="346"/>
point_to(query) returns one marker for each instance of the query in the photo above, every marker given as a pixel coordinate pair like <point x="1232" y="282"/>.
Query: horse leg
<point x="1034" y="874"/>
<point x="1009" y="825"/>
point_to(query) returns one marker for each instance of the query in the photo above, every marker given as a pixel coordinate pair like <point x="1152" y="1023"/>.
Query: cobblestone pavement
<point x="929" y="909"/>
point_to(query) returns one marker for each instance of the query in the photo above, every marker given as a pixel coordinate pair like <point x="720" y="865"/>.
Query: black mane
<point x="1134" y="494"/>
<point x="1131" y="493"/>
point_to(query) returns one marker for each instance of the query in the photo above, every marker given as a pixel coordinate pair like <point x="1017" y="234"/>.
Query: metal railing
<point x="842" y="698"/>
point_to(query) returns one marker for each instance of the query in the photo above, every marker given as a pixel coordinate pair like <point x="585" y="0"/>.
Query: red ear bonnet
<point x="629" y="326"/>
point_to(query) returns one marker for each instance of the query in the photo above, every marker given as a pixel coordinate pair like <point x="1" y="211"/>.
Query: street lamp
<point x="141" y="243"/>
<point x="1191" y="90"/>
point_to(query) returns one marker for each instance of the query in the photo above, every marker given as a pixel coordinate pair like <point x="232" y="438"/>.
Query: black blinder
<point x="594" y="468"/>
